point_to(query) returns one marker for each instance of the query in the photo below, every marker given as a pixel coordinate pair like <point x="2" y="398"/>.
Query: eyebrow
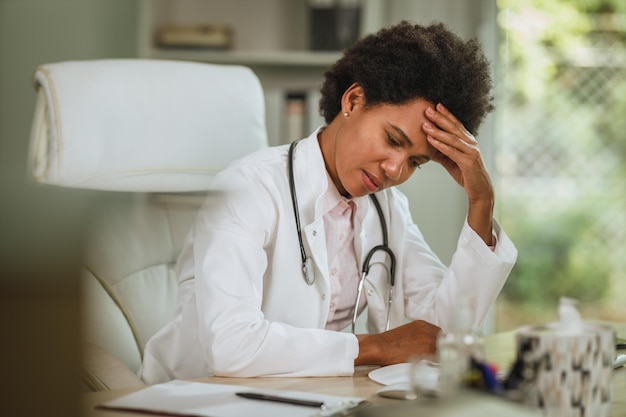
<point x="401" y="133"/>
<point x="407" y="140"/>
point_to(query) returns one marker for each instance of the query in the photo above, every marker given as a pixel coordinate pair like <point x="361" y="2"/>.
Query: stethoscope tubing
<point x="307" y="266"/>
<point x="309" y="274"/>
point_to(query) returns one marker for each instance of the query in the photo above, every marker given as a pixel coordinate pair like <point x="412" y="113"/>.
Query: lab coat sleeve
<point x="477" y="272"/>
<point x="432" y="290"/>
<point x="232" y="236"/>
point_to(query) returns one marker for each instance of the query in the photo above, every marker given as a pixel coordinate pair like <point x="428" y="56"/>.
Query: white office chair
<point x="154" y="132"/>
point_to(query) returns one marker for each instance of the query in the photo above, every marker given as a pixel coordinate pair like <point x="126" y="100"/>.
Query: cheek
<point x="349" y="150"/>
<point x="345" y="167"/>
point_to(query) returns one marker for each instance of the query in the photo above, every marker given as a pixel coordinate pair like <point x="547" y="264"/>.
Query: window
<point x="561" y="156"/>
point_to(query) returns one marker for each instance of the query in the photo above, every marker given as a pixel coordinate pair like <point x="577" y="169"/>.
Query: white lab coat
<point x="244" y="306"/>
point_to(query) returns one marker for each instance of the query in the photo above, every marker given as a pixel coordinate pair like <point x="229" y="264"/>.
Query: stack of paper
<point x="198" y="399"/>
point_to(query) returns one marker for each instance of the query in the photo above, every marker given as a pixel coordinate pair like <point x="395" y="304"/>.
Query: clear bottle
<point x="456" y="348"/>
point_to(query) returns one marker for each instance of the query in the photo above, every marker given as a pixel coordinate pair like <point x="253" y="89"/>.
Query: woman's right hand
<point x="398" y="345"/>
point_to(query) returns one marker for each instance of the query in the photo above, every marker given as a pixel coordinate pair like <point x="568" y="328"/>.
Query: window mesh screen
<point x="561" y="161"/>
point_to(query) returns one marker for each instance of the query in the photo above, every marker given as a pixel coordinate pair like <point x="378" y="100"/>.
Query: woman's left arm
<point x="459" y="154"/>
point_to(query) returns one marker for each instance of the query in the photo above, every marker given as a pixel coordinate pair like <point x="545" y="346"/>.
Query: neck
<point x="326" y="139"/>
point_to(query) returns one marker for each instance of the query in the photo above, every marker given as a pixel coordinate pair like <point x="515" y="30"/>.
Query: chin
<point x="356" y="194"/>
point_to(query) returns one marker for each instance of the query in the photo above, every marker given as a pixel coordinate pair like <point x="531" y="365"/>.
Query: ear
<point x="352" y="98"/>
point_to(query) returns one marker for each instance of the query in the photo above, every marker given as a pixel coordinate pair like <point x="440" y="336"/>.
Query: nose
<point x="393" y="165"/>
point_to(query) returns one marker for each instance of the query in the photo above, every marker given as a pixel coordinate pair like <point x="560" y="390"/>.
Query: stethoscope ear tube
<point x="384" y="247"/>
<point x="392" y="262"/>
<point x="307" y="265"/>
<point x="366" y="270"/>
<point x="392" y="258"/>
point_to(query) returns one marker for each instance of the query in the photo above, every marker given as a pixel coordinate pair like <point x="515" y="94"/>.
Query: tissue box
<point x="566" y="369"/>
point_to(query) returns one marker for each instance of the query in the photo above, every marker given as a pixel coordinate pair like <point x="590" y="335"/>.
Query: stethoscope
<point x="307" y="264"/>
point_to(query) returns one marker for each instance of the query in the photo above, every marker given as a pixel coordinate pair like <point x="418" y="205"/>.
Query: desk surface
<point x="500" y="349"/>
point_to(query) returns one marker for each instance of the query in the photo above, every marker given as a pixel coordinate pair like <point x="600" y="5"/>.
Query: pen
<point x="275" y="398"/>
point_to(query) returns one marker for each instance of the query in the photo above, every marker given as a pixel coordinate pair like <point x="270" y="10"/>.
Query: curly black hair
<point x="405" y="62"/>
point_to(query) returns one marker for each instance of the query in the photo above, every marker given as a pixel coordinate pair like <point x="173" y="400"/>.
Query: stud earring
<point x="345" y="114"/>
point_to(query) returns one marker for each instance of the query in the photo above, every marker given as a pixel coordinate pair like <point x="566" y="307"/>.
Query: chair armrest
<point x="103" y="371"/>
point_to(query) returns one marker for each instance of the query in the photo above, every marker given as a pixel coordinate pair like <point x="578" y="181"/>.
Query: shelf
<point x="289" y="70"/>
<point x="312" y="60"/>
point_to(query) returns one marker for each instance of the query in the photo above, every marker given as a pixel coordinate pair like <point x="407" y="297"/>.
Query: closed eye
<point x="413" y="162"/>
<point x="393" y="141"/>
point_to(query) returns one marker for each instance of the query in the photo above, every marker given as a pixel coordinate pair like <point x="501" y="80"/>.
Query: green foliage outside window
<point x="561" y="152"/>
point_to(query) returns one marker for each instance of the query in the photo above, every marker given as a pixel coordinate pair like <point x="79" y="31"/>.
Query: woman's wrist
<point x="368" y="350"/>
<point x="480" y="219"/>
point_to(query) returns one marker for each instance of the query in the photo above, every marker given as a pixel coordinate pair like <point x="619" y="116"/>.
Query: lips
<point x="371" y="183"/>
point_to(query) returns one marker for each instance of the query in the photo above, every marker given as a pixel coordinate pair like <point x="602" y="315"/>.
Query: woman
<point x="396" y="100"/>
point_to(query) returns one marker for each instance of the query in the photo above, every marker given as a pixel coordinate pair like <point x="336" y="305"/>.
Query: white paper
<point x="391" y="374"/>
<point x="200" y="399"/>
<point x="397" y="378"/>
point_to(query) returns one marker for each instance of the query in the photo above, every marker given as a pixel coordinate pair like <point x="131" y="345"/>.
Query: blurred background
<point x="561" y="156"/>
<point x="42" y="228"/>
<point x="556" y="147"/>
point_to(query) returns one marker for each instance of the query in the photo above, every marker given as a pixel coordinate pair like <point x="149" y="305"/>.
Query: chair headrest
<point x="143" y="125"/>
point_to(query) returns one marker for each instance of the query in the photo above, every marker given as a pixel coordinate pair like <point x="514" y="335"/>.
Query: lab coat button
<point x="370" y="293"/>
<point x="314" y="232"/>
<point x="323" y="296"/>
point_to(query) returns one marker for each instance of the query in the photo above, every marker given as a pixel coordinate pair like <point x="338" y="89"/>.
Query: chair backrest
<point x="152" y="134"/>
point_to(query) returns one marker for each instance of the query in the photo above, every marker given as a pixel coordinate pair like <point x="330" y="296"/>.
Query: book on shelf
<point x="200" y="36"/>
<point x="291" y="115"/>
<point x="295" y="113"/>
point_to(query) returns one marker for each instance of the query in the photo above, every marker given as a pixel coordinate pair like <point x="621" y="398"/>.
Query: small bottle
<point x="456" y="348"/>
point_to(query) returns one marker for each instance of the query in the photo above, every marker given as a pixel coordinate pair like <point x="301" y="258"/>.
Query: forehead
<point x="408" y="117"/>
<point x="406" y="121"/>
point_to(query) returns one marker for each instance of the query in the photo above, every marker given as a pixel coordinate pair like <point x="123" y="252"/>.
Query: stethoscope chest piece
<point x="308" y="270"/>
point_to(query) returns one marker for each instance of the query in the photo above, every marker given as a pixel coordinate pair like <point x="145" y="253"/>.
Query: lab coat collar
<point x="310" y="184"/>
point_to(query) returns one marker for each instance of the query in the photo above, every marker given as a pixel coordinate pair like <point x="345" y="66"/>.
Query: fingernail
<point x="440" y="106"/>
<point x="427" y="126"/>
<point x="430" y="110"/>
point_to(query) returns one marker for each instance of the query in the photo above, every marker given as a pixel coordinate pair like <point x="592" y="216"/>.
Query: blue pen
<point x="489" y="378"/>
